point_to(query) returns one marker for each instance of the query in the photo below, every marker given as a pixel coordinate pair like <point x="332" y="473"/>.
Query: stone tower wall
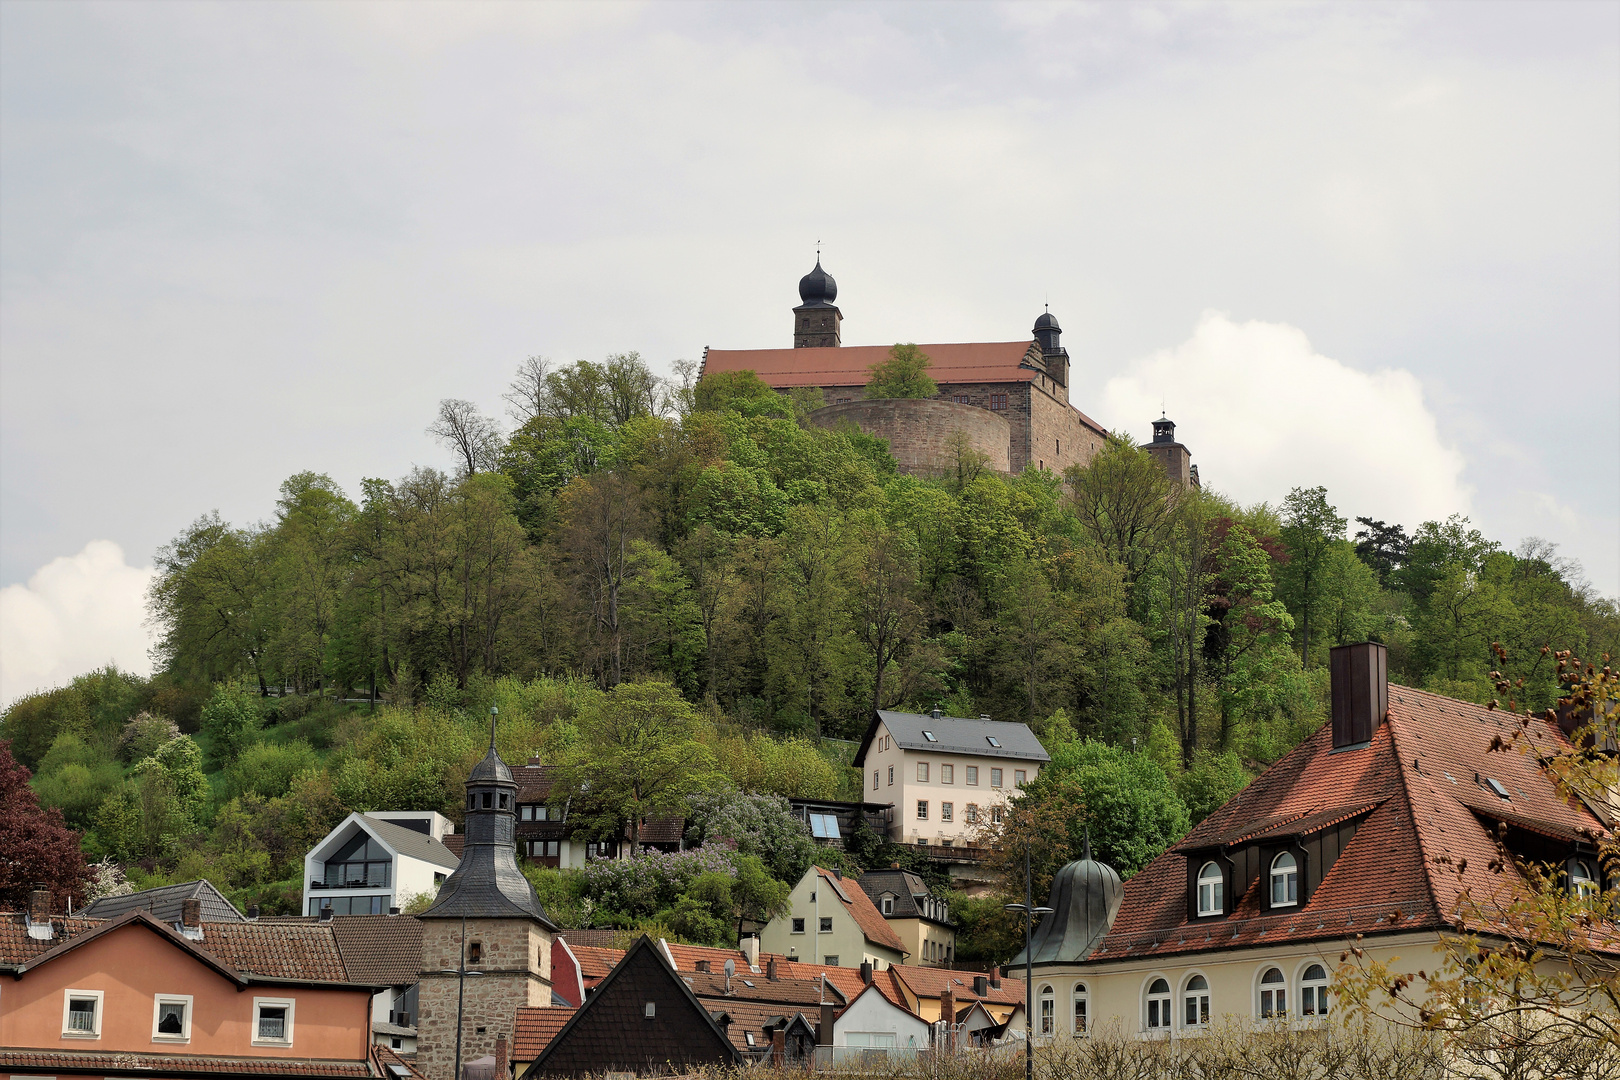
<point x="919" y="430"/>
<point x="1176" y="459"/>
<point x="516" y="970"/>
<point x="817" y="327"/>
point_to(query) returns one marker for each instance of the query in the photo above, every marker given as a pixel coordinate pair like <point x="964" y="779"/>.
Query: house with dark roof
<point x="643" y="1018"/>
<point x="135" y="996"/>
<point x="385" y="951"/>
<point x="831" y="921"/>
<point x="370" y="863"/>
<point x="920" y="919"/>
<point x="1376" y="827"/>
<point x="1006" y="400"/>
<point x="166" y="902"/>
<point x="946" y="776"/>
<point x="544" y="835"/>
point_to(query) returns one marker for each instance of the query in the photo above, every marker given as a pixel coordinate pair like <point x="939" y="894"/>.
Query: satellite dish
<point x="731" y="968"/>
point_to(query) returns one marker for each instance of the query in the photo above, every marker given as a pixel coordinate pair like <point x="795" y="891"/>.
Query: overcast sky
<point x="1371" y="247"/>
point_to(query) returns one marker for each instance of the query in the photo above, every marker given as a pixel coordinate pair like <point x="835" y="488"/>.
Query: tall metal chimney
<point x="1360" y="676"/>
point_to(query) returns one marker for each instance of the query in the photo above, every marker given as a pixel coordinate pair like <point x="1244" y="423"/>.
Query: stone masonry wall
<point x="817" y="327"/>
<point x="516" y="970"/>
<point x="919" y="431"/>
<point x="1058" y="438"/>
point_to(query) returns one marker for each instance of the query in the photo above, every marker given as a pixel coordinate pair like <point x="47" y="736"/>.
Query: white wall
<point x="871" y="1011"/>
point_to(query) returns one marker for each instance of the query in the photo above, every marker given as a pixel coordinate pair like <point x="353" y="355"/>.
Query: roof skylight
<point x="1497" y="788"/>
<point x="929" y="735"/>
<point x="992" y="740"/>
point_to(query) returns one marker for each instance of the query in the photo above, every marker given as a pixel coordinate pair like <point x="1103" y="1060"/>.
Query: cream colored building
<point x="1246" y="918"/>
<point x="831" y="921"/>
<point x="918" y="918"/>
<point x="945" y="776"/>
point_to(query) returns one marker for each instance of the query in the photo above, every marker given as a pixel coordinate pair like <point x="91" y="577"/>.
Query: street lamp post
<point x="1030" y="911"/>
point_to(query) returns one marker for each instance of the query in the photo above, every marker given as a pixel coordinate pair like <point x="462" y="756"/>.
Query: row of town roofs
<point x="1246" y="916"/>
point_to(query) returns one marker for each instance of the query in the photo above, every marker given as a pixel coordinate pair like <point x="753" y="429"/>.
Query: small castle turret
<point x="817" y="322"/>
<point x="1176" y="458"/>
<point x="1056" y="357"/>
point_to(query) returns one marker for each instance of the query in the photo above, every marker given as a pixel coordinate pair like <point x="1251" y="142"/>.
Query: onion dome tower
<point x="1047" y="332"/>
<point x="487" y="919"/>
<point x="1084" y="901"/>
<point x="817" y="322"/>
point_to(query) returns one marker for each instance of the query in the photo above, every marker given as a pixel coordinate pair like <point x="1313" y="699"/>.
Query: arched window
<point x="1158" y="1005"/>
<point x="1582" y="882"/>
<point x="1048" y="1011"/>
<point x="1273" y="995"/>
<point x="1082" y="1002"/>
<point x="1210" y="898"/>
<point x="1284" y="881"/>
<point x="1196" y="999"/>
<point x="1313" y="991"/>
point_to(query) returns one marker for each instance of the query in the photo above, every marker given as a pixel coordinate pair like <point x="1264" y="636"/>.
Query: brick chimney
<point x="39" y="913"/>
<point x="191" y="918"/>
<point x="947" y="1013"/>
<point x="1360" y="679"/>
<point x="770" y="969"/>
<point x="995" y="978"/>
<point x="502" y="1056"/>
<point x="779" y="1047"/>
<point x="750" y="950"/>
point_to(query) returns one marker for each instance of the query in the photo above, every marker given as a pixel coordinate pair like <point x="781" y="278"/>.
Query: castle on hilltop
<point x="1008" y="399"/>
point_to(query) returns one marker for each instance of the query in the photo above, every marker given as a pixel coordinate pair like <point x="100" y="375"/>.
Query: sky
<point x="1372" y="247"/>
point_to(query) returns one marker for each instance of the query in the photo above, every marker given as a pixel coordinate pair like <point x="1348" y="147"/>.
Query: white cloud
<point x="76" y="613"/>
<point x="1263" y="412"/>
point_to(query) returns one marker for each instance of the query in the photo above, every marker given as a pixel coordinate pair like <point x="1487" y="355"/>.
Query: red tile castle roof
<point x="1424" y="836"/>
<point x="850" y="365"/>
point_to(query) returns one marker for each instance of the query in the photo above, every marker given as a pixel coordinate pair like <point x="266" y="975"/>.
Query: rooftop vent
<point x="935" y="713"/>
<point x="1360" y="677"/>
<point x="326" y="913"/>
<point x="1496" y="787"/>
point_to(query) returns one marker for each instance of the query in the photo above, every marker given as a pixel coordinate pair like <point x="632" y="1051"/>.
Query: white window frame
<point x="1187" y="992"/>
<point x="1217" y="890"/>
<point x="947" y="811"/>
<point x="274" y="1003"/>
<point x="1166" y="1000"/>
<point x="1260" y="989"/>
<point x="922" y="772"/>
<point x="1584" y="887"/>
<point x="160" y="1000"/>
<point x="995" y="778"/>
<point x="1080" y="1018"/>
<point x="1320" y="986"/>
<point x="972" y="778"/>
<point x="1282" y="875"/>
<point x="922" y="809"/>
<point x="888" y="905"/>
<point x="67" y="1002"/>
<point x="1020" y="778"/>
<point x="1046" y="1011"/>
<point x="947" y="773"/>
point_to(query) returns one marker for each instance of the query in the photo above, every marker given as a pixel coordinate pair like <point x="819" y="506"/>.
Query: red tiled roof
<point x="534" y="782"/>
<point x="1415" y="782"/>
<point x="124" y="1063"/>
<point x="846" y="980"/>
<point x="386" y="1060"/>
<point x="17" y="947"/>
<point x="535" y="1028"/>
<point x="661" y="830"/>
<point x="783" y="993"/>
<point x="931" y="982"/>
<point x="595" y="962"/>
<point x="382" y="949"/>
<point x="850" y="365"/>
<point x="600" y="938"/>
<point x="752" y="1016"/>
<point x="866" y="916"/>
<point x="455" y="842"/>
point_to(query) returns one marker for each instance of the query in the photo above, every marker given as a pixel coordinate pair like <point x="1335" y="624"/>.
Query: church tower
<point x="817" y="322"/>
<point x="488" y="918"/>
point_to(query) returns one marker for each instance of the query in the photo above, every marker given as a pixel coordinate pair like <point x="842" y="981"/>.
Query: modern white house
<point x="945" y="776"/>
<point x="373" y="862"/>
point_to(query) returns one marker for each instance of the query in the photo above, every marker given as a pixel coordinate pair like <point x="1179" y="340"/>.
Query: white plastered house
<point x="373" y="862"/>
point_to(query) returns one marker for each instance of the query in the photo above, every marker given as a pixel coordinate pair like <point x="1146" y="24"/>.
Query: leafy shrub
<point x="231" y="720"/>
<point x="76" y="777"/>
<point x="267" y="769"/>
<point x="142" y="735"/>
<point x="643" y="886"/>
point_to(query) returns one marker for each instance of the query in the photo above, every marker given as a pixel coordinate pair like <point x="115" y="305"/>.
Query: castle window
<point x="1158" y="1005"/>
<point x="1081" y="1002"/>
<point x="1210" y="888"/>
<point x="844" y="400"/>
<point x="961" y="399"/>
<point x="1048" y="1011"/>
<point x="1284" y="881"/>
<point x="1059" y="445"/>
<point x="487" y="800"/>
<point x="1313" y="991"/>
<point x="945" y="810"/>
<point x="947" y="774"/>
<point x="972" y="813"/>
<point x="995" y="777"/>
<point x="1273" y="995"/>
<point x="475" y="952"/>
<point x="922" y="772"/>
<point x="998" y="402"/>
<point x="995" y="815"/>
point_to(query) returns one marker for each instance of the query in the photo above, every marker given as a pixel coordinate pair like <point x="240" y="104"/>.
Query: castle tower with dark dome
<point x="817" y="322"/>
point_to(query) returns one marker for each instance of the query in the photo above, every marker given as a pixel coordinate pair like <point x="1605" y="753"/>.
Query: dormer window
<point x="1284" y="881"/>
<point x="1582" y="882"/>
<point x="1211" y="890"/>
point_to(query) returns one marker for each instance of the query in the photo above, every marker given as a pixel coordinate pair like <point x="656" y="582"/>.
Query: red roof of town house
<point x="850" y="365"/>
<point x="595" y="962"/>
<point x="389" y="1064"/>
<point x="931" y="982"/>
<point x="860" y="907"/>
<point x="1419" y="795"/>
<point x="535" y="1027"/>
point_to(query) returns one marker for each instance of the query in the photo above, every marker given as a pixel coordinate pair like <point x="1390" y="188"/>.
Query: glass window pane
<point x="171" y="1017"/>
<point x="272" y="1022"/>
<point x="82" y="1014"/>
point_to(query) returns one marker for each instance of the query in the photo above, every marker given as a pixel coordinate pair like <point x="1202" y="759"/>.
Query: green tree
<point x="1122" y="499"/>
<point x="1311" y="527"/>
<point x="1246" y="623"/>
<point x="760" y="825"/>
<point x="638" y="755"/>
<point x="902" y="374"/>
<point x="232" y="721"/>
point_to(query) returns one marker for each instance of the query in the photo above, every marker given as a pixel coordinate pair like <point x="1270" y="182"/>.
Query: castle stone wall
<point x="919" y="431"/>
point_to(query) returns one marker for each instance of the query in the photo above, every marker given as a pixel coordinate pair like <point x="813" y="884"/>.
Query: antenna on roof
<point x="493" y="713"/>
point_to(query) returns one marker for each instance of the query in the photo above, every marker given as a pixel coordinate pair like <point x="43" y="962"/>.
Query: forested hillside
<point x="764" y="585"/>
